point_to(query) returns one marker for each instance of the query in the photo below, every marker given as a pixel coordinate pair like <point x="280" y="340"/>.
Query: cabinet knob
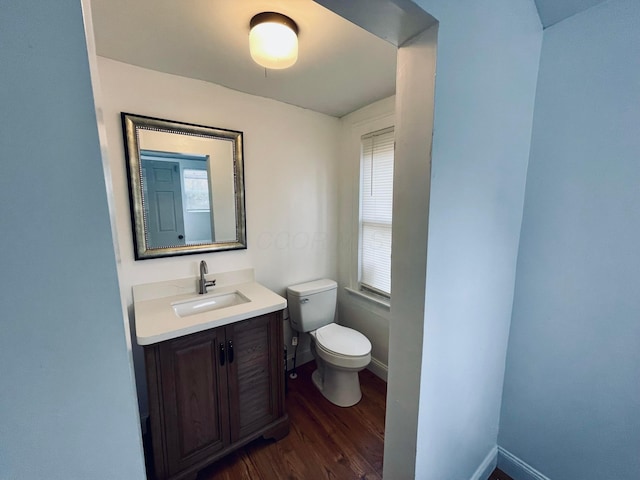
<point x="222" y="354"/>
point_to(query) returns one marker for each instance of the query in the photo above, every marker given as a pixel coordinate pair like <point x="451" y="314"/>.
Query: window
<point x="196" y="190"/>
<point x="376" y="201"/>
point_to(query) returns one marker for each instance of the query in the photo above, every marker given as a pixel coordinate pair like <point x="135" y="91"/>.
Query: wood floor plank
<point x="326" y="442"/>
<point x="336" y="453"/>
<point x="499" y="475"/>
<point x="292" y="457"/>
<point x="236" y="466"/>
<point x="359" y="428"/>
<point x="351" y="440"/>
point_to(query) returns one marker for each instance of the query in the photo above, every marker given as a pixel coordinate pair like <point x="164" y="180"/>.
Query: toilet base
<point x="340" y="387"/>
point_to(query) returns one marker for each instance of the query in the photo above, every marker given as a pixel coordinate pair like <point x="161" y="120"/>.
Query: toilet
<point x="340" y="352"/>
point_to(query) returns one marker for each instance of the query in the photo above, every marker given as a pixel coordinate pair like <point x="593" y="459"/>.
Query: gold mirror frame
<point x="132" y="125"/>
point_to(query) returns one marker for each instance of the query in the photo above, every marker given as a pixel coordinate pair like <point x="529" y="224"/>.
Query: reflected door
<point x="163" y="209"/>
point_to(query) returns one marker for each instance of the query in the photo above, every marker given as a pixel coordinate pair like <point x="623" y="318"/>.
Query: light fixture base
<point x="273" y="17"/>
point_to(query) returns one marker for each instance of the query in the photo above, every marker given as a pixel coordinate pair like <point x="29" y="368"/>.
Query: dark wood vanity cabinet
<point x="214" y="391"/>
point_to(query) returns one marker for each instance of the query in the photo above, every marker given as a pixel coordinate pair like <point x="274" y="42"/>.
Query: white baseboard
<point x="378" y="368"/>
<point x="517" y="468"/>
<point x="487" y="466"/>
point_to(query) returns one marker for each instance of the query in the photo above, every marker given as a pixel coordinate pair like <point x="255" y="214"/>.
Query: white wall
<point x="573" y="368"/>
<point x="488" y="56"/>
<point x="67" y="400"/>
<point x="290" y="161"/>
<point x="411" y="199"/>
<point x="447" y="340"/>
<point x="355" y="311"/>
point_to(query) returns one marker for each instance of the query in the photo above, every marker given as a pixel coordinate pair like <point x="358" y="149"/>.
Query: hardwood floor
<point x="499" y="475"/>
<point x="325" y="441"/>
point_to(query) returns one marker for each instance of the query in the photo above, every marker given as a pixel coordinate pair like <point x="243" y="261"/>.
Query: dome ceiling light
<point x="273" y="40"/>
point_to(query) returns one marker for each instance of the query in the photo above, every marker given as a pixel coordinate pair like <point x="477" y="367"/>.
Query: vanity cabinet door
<point x="194" y="392"/>
<point x="212" y="391"/>
<point x="256" y="374"/>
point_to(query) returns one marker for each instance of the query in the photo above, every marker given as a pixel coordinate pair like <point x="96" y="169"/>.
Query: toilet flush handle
<point x="304" y="300"/>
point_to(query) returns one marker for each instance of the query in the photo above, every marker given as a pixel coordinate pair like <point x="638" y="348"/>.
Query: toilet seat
<point x="341" y="362"/>
<point x="342" y="341"/>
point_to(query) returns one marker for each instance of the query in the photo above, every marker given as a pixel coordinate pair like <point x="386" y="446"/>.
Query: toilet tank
<point x="312" y="304"/>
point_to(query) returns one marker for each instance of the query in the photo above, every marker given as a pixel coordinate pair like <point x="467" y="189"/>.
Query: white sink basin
<point x="208" y="303"/>
<point x="172" y="308"/>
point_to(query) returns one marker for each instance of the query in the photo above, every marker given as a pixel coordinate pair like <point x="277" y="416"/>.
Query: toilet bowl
<point x="338" y="367"/>
<point x="340" y="352"/>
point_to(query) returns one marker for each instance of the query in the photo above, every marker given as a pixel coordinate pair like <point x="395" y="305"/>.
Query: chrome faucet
<point x="204" y="284"/>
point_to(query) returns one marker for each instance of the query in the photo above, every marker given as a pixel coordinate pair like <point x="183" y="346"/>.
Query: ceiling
<point x="340" y="67"/>
<point x="554" y="11"/>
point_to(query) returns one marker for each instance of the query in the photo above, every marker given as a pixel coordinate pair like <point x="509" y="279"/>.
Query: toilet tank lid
<point x="309" y="288"/>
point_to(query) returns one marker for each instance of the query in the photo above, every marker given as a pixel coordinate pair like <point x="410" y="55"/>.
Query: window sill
<point x="370" y="297"/>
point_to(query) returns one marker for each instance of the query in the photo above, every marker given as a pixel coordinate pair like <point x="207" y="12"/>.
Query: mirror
<point x="186" y="187"/>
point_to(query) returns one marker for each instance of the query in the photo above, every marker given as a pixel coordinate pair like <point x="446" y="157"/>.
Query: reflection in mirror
<point x="186" y="187"/>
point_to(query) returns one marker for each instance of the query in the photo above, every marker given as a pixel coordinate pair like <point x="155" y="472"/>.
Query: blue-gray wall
<point x="67" y="399"/>
<point x="571" y="402"/>
<point x="554" y="11"/>
<point x="487" y="67"/>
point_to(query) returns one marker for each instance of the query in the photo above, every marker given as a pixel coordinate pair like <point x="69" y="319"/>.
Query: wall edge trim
<point x="487" y="466"/>
<point x="516" y="467"/>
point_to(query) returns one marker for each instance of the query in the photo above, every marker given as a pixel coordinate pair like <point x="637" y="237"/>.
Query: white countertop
<point x="156" y="320"/>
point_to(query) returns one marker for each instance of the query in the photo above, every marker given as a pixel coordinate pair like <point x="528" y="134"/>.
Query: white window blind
<point x="196" y="190"/>
<point x="376" y="201"/>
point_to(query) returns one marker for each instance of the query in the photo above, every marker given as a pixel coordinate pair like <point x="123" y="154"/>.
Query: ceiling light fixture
<point x="273" y="40"/>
